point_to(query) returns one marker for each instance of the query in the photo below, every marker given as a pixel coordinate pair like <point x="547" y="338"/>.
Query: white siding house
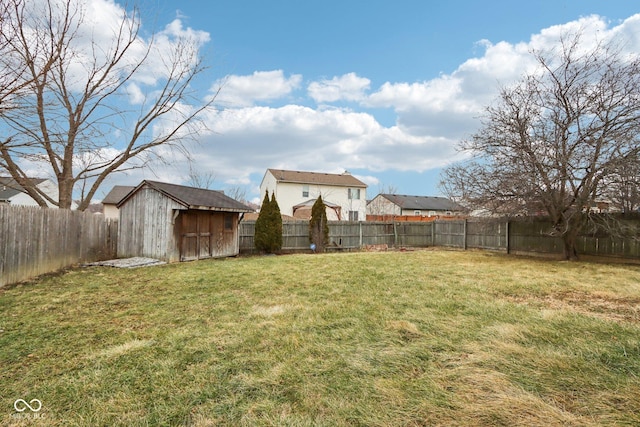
<point x="111" y="200"/>
<point x="344" y="195"/>
<point x="402" y="205"/>
<point x="11" y="192"/>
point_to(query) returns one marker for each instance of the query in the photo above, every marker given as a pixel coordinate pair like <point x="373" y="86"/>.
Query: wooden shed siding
<point x="155" y="225"/>
<point x="202" y="235"/>
<point x="147" y="226"/>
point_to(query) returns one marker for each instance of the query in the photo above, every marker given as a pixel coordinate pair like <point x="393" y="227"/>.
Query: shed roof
<point x="192" y="198"/>
<point x="117" y="193"/>
<point x="318" y="178"/>
<point x="423" y="202"/>
<point x="10" y="188"/>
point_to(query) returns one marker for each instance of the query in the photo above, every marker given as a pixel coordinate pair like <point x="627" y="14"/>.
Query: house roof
<point x="423" y="202"/>
<point x="117" y="193"/>
<point x="192" y="198"/>
<point x="309" y="204"/>
<point x="10" y="188"/>
<point x="253" y="216"/>
<point x="317" y="178"/>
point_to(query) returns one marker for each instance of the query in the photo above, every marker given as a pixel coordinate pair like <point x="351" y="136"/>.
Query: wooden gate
<point x="197" y="232"/>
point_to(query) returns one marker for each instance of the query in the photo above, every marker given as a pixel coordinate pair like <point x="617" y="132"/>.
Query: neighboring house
<point x="13" y="193"/>
<point x="386" y="205"/>
<point x="344" y="195"/>
<point x="177" y="223"/>
<point x="603" y="206"/>
<point x="111" y="200"/>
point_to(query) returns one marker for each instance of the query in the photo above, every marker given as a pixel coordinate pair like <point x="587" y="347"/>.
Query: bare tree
<point x="623" y="186"/>
<point x="200" y="179"/>
<point x="380" y="206"/>
<point x="387" y="189"/>
<point x="83" y="106"/>
<point x="237" y="192"/>
<point x="14" y="73"/>
<point x="551" y="142"/>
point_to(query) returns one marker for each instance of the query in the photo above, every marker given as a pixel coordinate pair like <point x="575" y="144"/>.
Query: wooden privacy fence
<point x="35" y="241"/>
<point x="501" y="235"/>
<point x="345" y="235"/>
<point x="522" y="236"/>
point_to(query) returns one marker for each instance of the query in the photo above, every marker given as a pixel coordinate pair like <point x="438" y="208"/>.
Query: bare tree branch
<point x="553" y="143"/>
<point x="70" y="96"/>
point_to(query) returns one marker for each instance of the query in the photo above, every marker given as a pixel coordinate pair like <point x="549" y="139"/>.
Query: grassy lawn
<point x="372" y="339"/>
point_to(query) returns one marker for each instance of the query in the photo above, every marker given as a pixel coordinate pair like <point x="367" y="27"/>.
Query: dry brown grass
<point x="422" y="338"/>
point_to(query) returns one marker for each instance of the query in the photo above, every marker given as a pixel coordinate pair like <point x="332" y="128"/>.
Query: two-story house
<point x="344" y="195"/>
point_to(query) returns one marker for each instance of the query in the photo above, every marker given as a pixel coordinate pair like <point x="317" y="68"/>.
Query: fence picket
<point x="36" y="241"/>
<point x="501" y="235"/>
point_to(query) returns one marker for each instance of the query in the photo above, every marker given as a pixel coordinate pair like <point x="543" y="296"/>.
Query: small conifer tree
<point x="260" y="237"/>
<point x="318" y="226"/>
<point x="275" y="224"/>
<point x="268" y="232"/>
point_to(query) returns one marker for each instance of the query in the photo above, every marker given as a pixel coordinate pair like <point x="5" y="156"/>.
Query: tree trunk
<point x="570" y="252"/>
<point x="65" y="192"/>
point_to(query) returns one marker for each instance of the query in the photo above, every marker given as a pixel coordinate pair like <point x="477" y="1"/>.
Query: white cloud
<point x="431" y="116"/>
<point x="136" y="96"/>
<point x="175" y="30"/>
<point x="448" y="106"/>
<point x="348" y="87"/>
<point x="246" y="141"/>
<point x="244" y="91"/>
<point x="593" y="28"/>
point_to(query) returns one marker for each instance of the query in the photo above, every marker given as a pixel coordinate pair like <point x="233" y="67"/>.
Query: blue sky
<point x="383" y="89"/>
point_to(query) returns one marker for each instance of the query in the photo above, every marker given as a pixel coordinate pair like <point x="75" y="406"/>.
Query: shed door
<point x="196" y="235"/>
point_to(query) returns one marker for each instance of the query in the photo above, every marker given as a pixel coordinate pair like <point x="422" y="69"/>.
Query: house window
<point x="228" y="222"/>
<point x="353" y="215"/>
<point x="354" y="193"/>
<point x="305" y="190"/>
<point x="417" y="213"/>
<point x="432" y="213"/>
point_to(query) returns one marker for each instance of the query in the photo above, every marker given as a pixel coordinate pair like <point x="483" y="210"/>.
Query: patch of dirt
<point x="408" y="331"/>
<point x="598" y="304"/>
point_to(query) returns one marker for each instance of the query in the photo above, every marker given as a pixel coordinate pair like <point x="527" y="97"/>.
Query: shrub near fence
<point x="36" y="241"/>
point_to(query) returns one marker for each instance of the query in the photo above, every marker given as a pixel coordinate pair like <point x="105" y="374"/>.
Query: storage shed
<point x="177" y="223"/>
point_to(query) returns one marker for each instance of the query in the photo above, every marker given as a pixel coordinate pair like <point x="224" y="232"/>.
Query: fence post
<point x="507" y="233"/>
<point x="465" y="235"/>
<point x="433" y="232"/>
<point x="395" y="234"/>
<point x="360" y="229"/>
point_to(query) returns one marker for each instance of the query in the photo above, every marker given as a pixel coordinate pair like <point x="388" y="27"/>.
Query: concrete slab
<point x="133" y="262"/>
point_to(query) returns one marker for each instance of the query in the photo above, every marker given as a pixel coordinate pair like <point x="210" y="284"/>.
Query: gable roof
<point x="10" y="188"/>
<point x="117" y="193"/>
<point x="316" y="178"/>
<point x="423" y="202"/>
<point x="309" y="204"/>
<point x="191" y="197"/>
